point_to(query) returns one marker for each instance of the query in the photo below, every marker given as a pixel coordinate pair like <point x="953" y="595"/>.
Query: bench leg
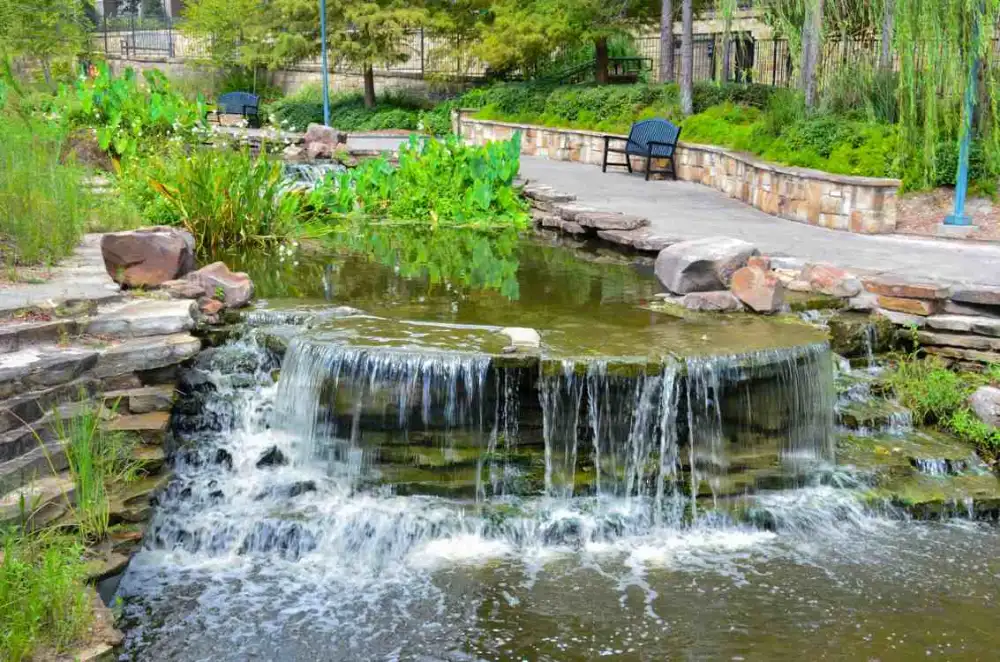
<point x="604" y="165"/>
<point x="673" y="169"/>
<point x="628" y="163"/>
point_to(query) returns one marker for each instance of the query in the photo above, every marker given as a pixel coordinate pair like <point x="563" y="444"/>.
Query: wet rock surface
<point x="702" y="265"/>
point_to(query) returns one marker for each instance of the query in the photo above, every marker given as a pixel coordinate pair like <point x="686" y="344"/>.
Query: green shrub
<point x="348" y="112"/>
<point x="42" y="593"/>
<point x="225" y="198"/>
<point x="43" y="209"/>
<point x="753" y="95"/>
<point x="129" y="116"/>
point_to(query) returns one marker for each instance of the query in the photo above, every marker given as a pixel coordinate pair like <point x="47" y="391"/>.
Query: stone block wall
<point x="854" y="204"/>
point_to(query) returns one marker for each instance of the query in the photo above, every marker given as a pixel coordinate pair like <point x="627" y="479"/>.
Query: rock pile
<point x="163" y="258"/>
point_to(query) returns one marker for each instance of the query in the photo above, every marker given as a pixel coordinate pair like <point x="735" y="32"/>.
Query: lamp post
<point x="958" y="218"/>
<point x="326" y="70"/>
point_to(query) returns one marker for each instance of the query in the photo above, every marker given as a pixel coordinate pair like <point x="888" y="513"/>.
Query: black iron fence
<point x="737" y="57"/>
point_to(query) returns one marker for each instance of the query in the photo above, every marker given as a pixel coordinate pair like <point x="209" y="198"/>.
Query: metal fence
<point x="742" y="59"/>
<point x="736" y="58"/>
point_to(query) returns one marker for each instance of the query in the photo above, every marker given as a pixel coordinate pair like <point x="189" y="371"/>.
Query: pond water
<point x="395" y="485"/>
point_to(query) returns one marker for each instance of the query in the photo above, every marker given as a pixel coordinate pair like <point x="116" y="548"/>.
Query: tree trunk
<point x="812" y="37"/>
<point x="727" y="54"/>
<point x="687" y="57"/>
<point x="369" y="86"/>
<point x="888" y="14"/>
<point x="601" y="61"/>
<point x="667" y="42"/>
<point x="47" y="73"/>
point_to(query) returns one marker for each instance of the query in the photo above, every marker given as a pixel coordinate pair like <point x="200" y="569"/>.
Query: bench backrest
<point x="661" y="131"/>
<point x="237" y="103"/>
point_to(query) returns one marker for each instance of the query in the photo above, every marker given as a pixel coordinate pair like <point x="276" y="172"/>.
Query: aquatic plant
<point x="436" y="183"/>
<point x="226" y="199"/>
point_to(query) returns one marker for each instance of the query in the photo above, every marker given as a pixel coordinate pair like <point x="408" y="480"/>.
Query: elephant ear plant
<point x="132" y="115"/>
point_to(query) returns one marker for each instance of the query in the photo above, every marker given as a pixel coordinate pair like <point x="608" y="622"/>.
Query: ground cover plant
<point x="44" y="602"/>
<point x="936" y="395"/>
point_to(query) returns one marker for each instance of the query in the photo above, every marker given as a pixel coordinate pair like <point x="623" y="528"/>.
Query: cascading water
<point x="313" y="516"/>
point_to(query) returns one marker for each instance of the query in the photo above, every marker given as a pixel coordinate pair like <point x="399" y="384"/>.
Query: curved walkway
<point x="690" y="211"/>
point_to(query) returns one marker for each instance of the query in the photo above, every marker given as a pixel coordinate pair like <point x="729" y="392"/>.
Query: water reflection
<point x="452" y="259"/>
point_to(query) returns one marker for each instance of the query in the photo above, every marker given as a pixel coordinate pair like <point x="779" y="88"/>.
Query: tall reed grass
<point x="43" y="210"/>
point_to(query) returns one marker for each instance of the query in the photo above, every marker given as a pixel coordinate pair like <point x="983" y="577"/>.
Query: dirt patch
<point x="81" y="146"/>
<point x="922" y="214"/>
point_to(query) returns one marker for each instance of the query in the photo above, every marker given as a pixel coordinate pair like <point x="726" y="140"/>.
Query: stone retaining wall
<point x="855" y="204"/>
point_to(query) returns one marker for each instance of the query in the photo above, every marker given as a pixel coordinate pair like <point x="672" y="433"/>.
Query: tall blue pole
<point x="958" y="217"/>
<point x="326" y="70"/>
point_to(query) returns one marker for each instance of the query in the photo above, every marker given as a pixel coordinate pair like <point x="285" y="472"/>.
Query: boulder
<point x="318" y="133"/>
<point x="294" y="154"/>
<point x="522" y="338"/>
<point x="702" y="265"/>
<point x="319" y="151"/>
<point x="235" y="288"/>
<point x="147" y="257"/>
<point x="831" y="280"/>
<point x="183" y="289"/>
<point x="721" y="301"/>
<point x="985" y="402"/>
<point x="759" y="289"/>
<point x="271" y="458"/>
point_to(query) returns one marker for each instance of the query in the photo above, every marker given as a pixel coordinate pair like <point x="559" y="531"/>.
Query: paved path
<point x="689" y="211"/>
<point x="80" y="277"/>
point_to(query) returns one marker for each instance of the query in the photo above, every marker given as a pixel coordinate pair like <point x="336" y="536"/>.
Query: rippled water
<point x="390" y="489"/>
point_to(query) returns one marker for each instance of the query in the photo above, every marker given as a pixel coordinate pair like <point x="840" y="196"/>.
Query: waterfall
<point x="308" y="175"/>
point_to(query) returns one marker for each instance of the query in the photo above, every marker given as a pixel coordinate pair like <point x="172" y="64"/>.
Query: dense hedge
<point x="348" y="112"/>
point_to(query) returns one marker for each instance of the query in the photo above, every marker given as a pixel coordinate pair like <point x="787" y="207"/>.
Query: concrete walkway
<point x="690" y="211"/>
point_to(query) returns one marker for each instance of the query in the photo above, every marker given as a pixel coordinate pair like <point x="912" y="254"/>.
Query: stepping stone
<point x="923" y="307"/>
<point x="29" y="407"/>
<point x="893" y="286"/>
<point x="20" y="335"/>
<point x="959" y="340"/>
<point x="605" y="220"/>
<point x="140" y="319"/>
<point x="141" y="400"/>
<point x="151" y="458"/>
<point x="978" y="294"/>
<point x="37" y="368"/>
<point x="17" y="442"/>
<point x="146" y="354"/>
<point x="31" y="499"/>
<point x="641" y="239"/>
<point x="547" y="194"/>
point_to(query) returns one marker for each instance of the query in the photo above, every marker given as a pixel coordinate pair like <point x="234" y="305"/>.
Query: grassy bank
<point x="43" y="209"/>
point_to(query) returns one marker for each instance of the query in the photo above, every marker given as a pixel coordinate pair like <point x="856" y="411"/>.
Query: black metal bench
<point x="240" y="103"/>
<point x="650" y="139"/>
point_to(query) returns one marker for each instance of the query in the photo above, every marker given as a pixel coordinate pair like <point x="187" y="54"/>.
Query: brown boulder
<point x="235" y="289"/>
<point x="183" y="289"/>
<point x="830" y="280"/>
<point x="147" y="257"/>
<point x="759" y="289"/>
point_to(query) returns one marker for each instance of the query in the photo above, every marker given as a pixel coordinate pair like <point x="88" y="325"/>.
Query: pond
<point x="392" y="482"/>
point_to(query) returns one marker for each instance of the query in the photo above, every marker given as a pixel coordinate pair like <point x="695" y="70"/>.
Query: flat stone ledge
<point x="144" y="318"/>
<point x="988" y="295"/>
<point x="641" y="239"/>
<point x="146" y="354"/>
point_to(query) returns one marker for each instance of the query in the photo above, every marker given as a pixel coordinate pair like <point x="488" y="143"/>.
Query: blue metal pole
<point x="326" y="70"/>
<point x="958" y="217"/>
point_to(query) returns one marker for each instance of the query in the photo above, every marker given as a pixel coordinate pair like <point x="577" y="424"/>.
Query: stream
<point x="390" y="481"/>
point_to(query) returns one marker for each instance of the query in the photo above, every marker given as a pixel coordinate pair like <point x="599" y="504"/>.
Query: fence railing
<point x="736" y="58"/>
